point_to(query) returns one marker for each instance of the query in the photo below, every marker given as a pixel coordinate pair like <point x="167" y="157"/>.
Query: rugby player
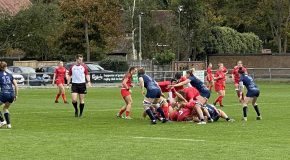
<point x="253" y="93"/>
<point x="219" y="85"/>
<point x="236" y="76"/>
<point x="8" y="94"/>
<point x="58" y="79"/>
<point x="209" y="77"/>
<point x="126" y="93"/>
<point x="152" y="97"/>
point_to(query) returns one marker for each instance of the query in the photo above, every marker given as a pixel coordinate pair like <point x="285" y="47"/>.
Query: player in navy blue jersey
<point x="253" y="93"/>
<point x="215" y="113"/>
<point x="7" y="95"/>
<point x="152" y="97"/>
<point x="196" y="83"/>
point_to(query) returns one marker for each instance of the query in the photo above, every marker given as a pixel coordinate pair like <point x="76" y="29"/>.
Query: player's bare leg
<point x="6" y="114"/>
<point x="223" y="115"/>
<point x="255" y="105"/>
<point x="245" y="107"/>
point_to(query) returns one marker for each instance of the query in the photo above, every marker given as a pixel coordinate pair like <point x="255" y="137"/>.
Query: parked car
<point x="29" y="75"/>
<point x="18" y="77"/>
<point x="92" y="67"/>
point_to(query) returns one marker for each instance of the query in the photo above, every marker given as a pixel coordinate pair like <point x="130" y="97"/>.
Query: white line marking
<point x="171" y="139"/>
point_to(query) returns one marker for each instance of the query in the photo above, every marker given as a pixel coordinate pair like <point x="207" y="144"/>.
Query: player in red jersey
<point x="180" y="79"/>
<point x="209" y="77"/>
<point x="219" y="85"/>
<point x="193" y="104"/>
<point x="236" y="76"/>
<point x="126" y="93"/>
<point x="58" y="79"/>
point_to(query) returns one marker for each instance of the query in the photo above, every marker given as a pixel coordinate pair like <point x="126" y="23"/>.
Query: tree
<point x="90" y="22"/>
<point x="32" y="30"/>
<point x="277" y="13"/>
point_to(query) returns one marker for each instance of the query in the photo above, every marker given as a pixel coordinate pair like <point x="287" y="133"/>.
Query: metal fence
<point x="45" y="79"/>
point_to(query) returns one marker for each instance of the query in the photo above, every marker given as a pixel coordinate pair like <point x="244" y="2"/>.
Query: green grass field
<point x="44" y="130"/>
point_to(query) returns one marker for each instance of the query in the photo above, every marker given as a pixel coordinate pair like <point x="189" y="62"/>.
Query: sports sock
<point x="159" y="110"/>
<point x="221" y="100"/>
<point x="7" y="117"/>
<point x="257" y="110"/>
<point x="217" y="100"/>
<point x="127" y="113"/>
<point x="122" y="111"/>
<point x="165" y="110"/>
<point x="245" y="110"/>
<point x="1" y="117"/>
<point x="75" y="104"/>
<point x="82" y="106"/>
<point x="150" y="114"/>
<point x="63" y="97"/>
<point x="57" y="96"/>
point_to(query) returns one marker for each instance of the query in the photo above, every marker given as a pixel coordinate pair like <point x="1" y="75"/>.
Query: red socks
<point x="220" y="100"/>
<point x="127" y="113"/>
<point x="63" y="97"/>
<point x="57" y="96"/>
<point x="165" y="110"/>
<point x="122" y="111"/>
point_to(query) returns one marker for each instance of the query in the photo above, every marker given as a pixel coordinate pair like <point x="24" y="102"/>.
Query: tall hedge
<point x="225" y="40"/>
<point x="114" y="65"/>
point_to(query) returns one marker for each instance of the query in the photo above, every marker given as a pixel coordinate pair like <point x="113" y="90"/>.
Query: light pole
<point x="180" y="9"/>
<point x="140" y="36"/>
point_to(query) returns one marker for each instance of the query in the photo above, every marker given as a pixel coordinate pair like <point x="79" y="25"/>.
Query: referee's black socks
<point x="82" y="106"/>
<point x="75" y="104"/>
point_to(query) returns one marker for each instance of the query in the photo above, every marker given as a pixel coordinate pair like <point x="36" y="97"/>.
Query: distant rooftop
<point x="12" y="7"/>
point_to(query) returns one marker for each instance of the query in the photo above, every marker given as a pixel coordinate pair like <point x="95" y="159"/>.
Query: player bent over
<point x="8" y="94"/>
<point x="196" y="83"/>
<point x="126" y="93"/>
<point x="253" y="93"/>
<point x="152" y="97"/>
<point x="215" y="113"/>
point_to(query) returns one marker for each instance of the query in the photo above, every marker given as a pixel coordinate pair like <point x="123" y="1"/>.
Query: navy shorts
<point x="205" y="93"/>
<point x="4" y="98"/>
<point x="214" y="115"/>
<point x="253" y="93"/>
<point x="154" y="93"/>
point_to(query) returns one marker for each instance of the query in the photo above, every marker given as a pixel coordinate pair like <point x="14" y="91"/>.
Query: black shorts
<point x="79" y="88"/>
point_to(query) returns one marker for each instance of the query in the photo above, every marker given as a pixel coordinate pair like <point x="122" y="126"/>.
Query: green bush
<point x="165" y="57"/>
<point x="225" y="40"/>
<point x="114" y="65"/>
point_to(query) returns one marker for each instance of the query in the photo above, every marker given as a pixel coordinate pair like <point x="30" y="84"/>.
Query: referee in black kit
<point x="78" y="73"/>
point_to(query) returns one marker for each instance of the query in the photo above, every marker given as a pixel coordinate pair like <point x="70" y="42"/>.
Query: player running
<point x="253" y="93"/>
<point x="58" y="79"/>
<point x="79" y="75"/>
<point x="198" y="84"/>
<point x="219" y="85"/>
<point x="236" y="76"/>
<point x="209" y="77"/>
<point x="8" y="94"/>
<point x="126" y="93"/>
<point x="152" y="97"/>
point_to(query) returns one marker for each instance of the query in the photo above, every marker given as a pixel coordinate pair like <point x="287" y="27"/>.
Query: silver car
<point x="18" y="77"/>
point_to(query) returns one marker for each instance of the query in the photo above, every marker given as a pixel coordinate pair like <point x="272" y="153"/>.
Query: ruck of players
<point x="185" y="98"/>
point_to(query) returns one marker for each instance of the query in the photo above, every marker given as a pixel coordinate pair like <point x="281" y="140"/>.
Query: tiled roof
<point x="12" y="7"/>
